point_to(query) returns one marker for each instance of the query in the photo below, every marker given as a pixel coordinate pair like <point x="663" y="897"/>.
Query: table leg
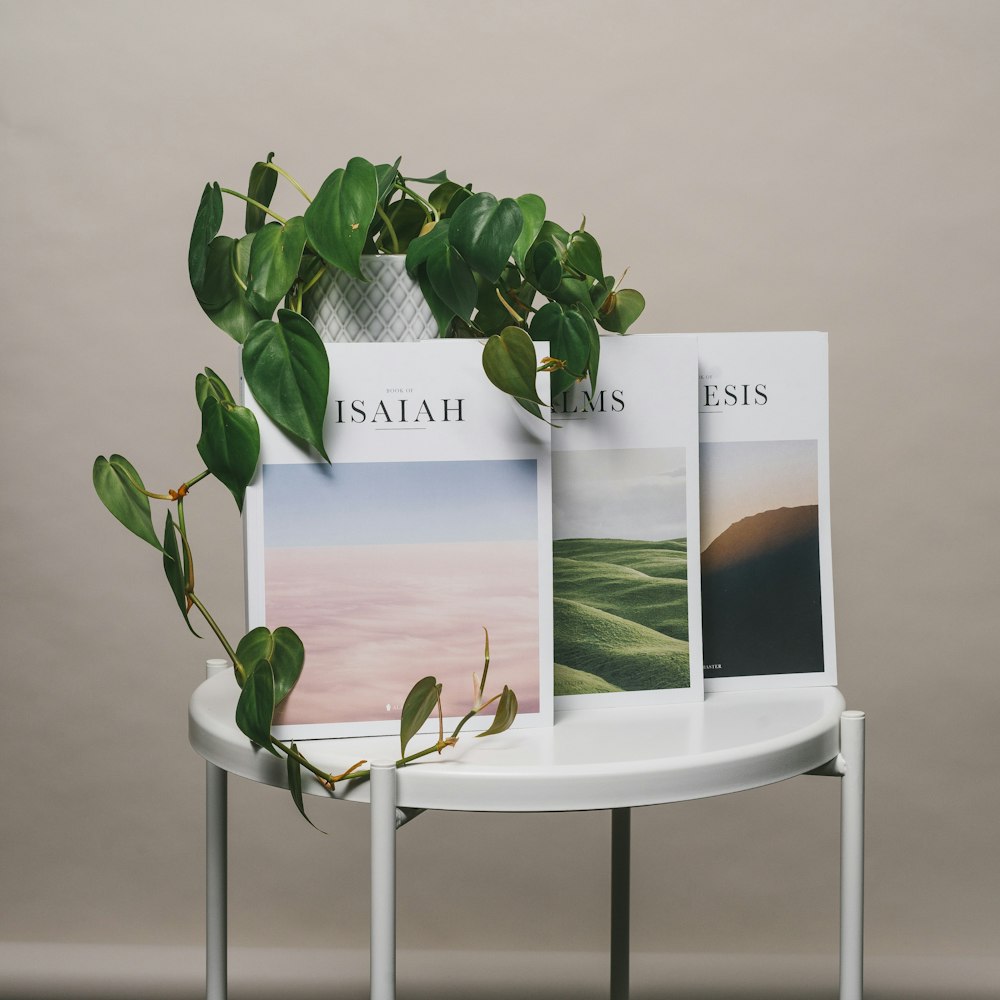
<point x="383" y="862"/>
<point x="215" y="883"/>
<point x="216" y="870"/>
<point x="621" y="824"/>
<point x="852" y="854"/>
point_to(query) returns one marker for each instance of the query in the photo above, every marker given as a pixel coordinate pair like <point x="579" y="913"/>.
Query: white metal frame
<point x="387" y="817"/>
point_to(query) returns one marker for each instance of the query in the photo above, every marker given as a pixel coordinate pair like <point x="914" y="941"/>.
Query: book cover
<point x="432" y="521"/>
<point x="625" y="517"/>
<point x="767" y="582"/>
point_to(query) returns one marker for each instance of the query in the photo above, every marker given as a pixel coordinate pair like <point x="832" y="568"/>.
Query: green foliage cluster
<point x="491" y="268"/>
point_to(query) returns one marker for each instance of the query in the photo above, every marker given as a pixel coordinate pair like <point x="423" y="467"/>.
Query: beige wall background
<point x="770" y="165"/>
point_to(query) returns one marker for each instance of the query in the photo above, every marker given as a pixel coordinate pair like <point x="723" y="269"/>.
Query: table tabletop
<point x="598" y="758"/>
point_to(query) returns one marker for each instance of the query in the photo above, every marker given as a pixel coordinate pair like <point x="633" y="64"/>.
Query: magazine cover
<point x="432" y="521"/>
<point x="627" y="613"/>
<point x="766" y="578"/>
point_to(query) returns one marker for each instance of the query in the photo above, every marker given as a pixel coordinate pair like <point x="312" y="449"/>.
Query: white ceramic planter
<point x="388" y="308"/>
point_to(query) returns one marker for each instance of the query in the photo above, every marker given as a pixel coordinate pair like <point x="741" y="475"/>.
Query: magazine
<point x="627" y="620"/>
<point x="767" y="583"/>
<point x="431" y="523"/>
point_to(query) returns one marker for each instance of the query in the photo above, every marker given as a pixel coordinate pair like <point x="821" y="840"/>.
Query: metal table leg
<point x="383" y="862"/>
<point x="216" y="865"/>
<point x="621" y="828"/>
<point x="852" y="854"/>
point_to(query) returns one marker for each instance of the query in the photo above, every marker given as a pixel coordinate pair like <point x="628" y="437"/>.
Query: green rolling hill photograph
<point x="621" y="620"/>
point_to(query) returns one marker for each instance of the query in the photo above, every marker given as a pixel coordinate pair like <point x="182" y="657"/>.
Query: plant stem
<point x="204" y="474"/>
<point x="230" y="652"/>
<point x="256" y="204"/>
<point x="389" y="226"/>
<point x="312" y="281"/>
<point x="288" y="177"/>
<point x="422" y="202"/>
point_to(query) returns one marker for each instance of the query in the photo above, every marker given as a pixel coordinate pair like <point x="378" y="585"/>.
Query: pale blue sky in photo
<point x="634" y="493"/>
<point x="391" y="503"/>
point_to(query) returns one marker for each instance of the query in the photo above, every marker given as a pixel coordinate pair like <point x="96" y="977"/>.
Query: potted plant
<point x="485" y="267"/>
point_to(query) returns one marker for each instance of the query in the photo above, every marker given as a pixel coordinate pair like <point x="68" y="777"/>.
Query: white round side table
<point x="609" y="758"/>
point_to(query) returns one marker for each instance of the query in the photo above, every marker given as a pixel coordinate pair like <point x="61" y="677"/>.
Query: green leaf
<point x="385" y="177"/>
<point x="222" y="296"/>
<point x="552" y="232"/>
<point x="282" y="649"/>
<point x="229" y="445"/>
<point x="572" y="291"/>
<point x="439" y="178"/>
<point x="448" y="196"/>
<point x="511" y="364"/>
<point x="119" y="487"/>
<point x="210" y="384"/>
<point x="176" y="568"/>
<point x="274" y="263"/>
<point x="484" y="231"/>
<point x="443" y="315"/>
<point x="594" y="361"/>
<point x="543" y="267"/>
<point x="338" y="218"/>
<point x="417" y="708"/>
<point x="584" y="254"/>
<point x="207" y="221"/>
<point x="263" y="180"/>
<point x="295" y="787"/>
<point x="505" y="715"/>
<point x="620" y="310"/>
<point x="255" y="709"/>
<point x="407" y="219"/>
<point x="533" y="213"/>
<point x="452" y="279"/>
<point x="287" y="369"/>
<point x="568" y="335"/>
<point x="424" y="247"/>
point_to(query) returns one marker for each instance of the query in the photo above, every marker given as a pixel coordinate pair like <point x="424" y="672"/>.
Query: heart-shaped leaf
<point x="417" y="708"/>
<point x="338" y="218"/>
<point x="229" y="445"/>
<point x="274" y="263"/>
<point x="543" y="267"/>
<point x="120" y="488"/>
<point x="294" y="772"/>
<point x="505" y="715"/>
<point x="484" y="231"/>
<point x="263" y="180"/>
<point x="223" y="295"/>
<point x="584" y="253"/>
<point x="207" y="221"/>
<point x="287" y="369"/>
<point x="552" y="232"/>
<point x="439" y="178"/>
<point x="447" y="197"/>
<point x="282" y="649"/>
<point x="443" y="315"/>
<point x="424" y="247"/>
<point x="385" y="178"/>
<point x="533" y="213"/>
<point x="568" y="335"/>
<point x="255" y="709"/>
<point x="452" y="280"/>
<point x="511" y="364"/>
<point x="177" y="570"/>
<point x="210" y="384"/>
<point x="620" y="310"/>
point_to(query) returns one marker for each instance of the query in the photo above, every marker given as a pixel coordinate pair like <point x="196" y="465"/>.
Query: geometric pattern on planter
<point x="388" y="308"/>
